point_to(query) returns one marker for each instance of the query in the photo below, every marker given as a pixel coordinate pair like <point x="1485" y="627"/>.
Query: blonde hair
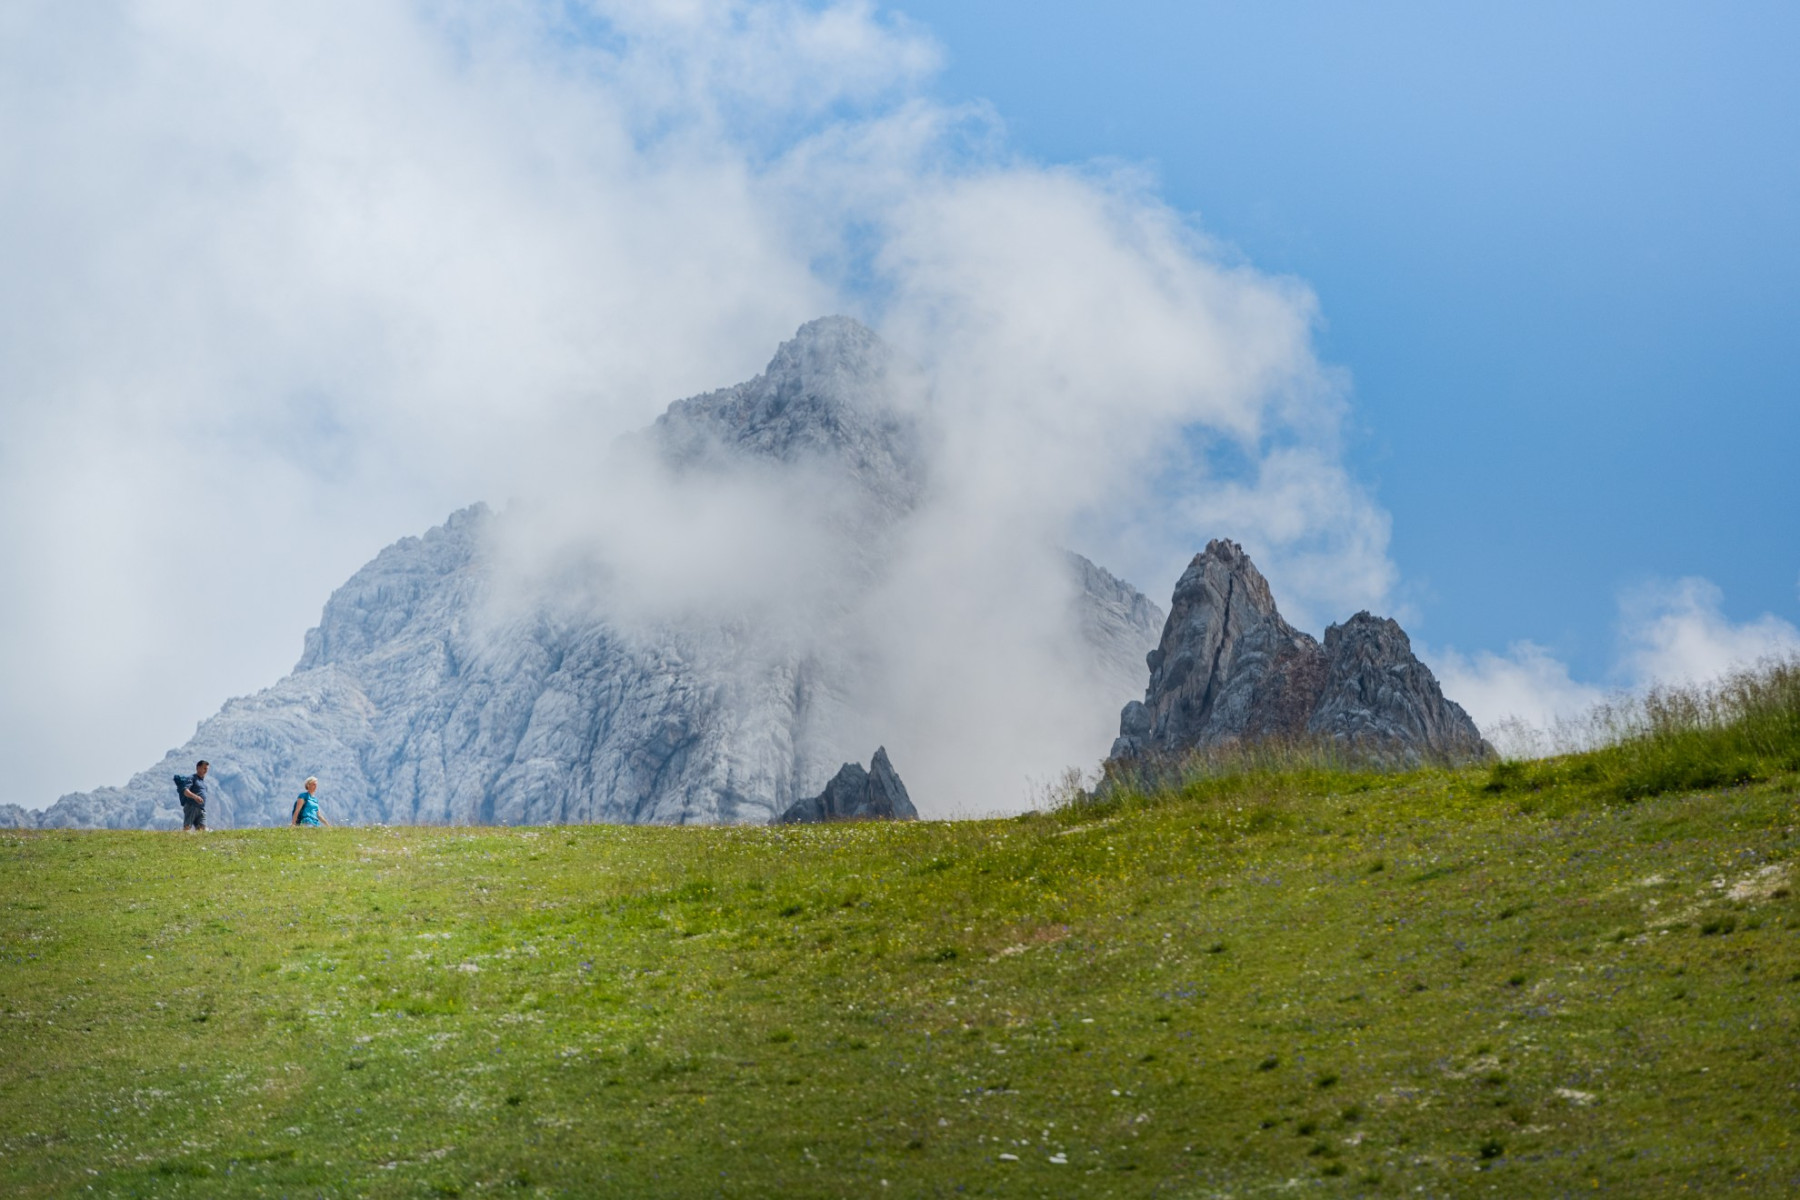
<point x="310" y="780"/>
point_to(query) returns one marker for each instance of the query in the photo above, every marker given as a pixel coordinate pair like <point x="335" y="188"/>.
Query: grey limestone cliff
<point x="856" y="795"/>
<point x="417" y="699"/>
<point x="1116" y="622"/>
<point x="14" y="817"/>
<point x="1230" y="669"/>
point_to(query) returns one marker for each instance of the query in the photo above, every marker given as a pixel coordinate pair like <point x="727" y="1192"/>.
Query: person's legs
<point x="193" y="816"/>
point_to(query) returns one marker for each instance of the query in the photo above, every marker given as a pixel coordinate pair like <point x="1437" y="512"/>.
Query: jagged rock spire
<point x="856" y="795"/>
<point x="1230" y="669"/>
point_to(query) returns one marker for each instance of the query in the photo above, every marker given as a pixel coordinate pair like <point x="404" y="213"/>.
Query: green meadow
<point x="1512" y="981"/>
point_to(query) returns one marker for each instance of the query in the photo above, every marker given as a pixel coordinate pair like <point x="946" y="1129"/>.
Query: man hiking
<point x="192" y="790"/>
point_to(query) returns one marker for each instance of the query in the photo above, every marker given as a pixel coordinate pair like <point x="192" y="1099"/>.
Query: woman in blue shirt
<point x="306" y="806"/>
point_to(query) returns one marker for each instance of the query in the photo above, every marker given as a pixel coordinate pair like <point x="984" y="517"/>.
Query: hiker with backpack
<point x="306" y="806"/>
<point x="191" y="791"/>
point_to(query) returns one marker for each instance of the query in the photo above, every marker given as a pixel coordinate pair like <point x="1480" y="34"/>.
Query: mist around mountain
<point x="735" y="602"/>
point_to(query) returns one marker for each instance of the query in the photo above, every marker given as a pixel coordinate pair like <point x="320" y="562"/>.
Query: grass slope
<point x="1434" y="983"/>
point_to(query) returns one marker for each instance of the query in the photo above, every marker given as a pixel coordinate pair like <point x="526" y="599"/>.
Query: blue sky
<point x="1556" y="246"/>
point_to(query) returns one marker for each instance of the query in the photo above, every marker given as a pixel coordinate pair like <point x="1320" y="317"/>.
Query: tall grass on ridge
<point x="1743" y="728"/>
<point x="1740" y="729"/>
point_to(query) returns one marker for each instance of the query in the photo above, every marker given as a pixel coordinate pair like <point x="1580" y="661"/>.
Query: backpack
<point x="182" y="783"/>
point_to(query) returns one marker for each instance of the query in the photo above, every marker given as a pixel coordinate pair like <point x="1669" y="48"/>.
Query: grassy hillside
<point x="1454" y="983"/>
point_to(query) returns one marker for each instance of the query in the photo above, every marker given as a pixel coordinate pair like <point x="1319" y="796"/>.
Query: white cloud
<point x="1677" y="633"/>
<point x="278" y="286"/>
<point x="1527" y="683"/>
<point x="1518" y="699"/>
<point x="1671" y="633"/>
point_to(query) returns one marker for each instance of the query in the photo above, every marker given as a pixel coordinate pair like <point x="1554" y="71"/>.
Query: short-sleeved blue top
<point x="309" y="809"/>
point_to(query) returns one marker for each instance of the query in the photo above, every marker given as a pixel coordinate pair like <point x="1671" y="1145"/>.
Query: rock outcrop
<point x="1229" y="669"/>
<point x="14" y="817"/>
<point x="419" y="700"/>
<point x="1378" y="694"/>
<point x="856" y="795"/>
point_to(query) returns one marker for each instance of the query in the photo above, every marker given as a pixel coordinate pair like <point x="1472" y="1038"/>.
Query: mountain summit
<point x="830" y="397"/>
<point x="422" y="698"/>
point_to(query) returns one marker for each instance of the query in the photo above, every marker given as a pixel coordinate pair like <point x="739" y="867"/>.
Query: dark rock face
<point x="1377" y="693"/>
<point x="856" y="795"/>
<point x="1230" y="669"/>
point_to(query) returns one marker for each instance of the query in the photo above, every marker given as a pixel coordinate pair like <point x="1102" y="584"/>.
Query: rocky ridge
<point x="1230" y="669"/>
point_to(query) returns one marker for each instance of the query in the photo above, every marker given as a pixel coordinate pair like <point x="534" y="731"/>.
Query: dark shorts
<point x="193" y="816"/>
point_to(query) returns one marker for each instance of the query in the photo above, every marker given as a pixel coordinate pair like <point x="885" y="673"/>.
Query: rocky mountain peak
<point x="1229" y="668"/>
<point x="1223" y="572"/>
<point x="856" y="795"/>
<point x="835" y="356"/>
<point x="832" y="396"/>
<point x="1376" y="691"/>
